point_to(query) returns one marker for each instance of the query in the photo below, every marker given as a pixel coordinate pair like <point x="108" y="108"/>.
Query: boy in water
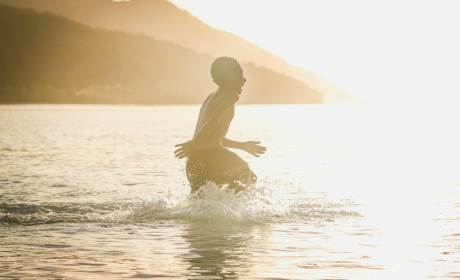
<point x="207" y="157"/>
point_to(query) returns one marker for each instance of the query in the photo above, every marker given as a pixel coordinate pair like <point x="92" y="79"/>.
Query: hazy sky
<point x="379" y="50"/>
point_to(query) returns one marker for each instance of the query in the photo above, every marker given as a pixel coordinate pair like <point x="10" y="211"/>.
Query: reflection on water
<point x="218" y="250"/>
<point x="345" y="192"/>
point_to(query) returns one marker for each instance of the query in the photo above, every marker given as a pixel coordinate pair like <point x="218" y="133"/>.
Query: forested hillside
<point x="46" y="58"/>
<point x="163" y="20"/>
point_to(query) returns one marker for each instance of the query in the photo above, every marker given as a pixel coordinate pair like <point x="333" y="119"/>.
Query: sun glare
<point x="392" y="51"/>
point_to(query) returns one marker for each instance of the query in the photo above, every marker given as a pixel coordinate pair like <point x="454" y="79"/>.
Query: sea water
<point x="344" y="192"/>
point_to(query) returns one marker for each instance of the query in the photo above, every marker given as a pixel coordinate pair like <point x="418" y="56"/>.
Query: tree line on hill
<point x="163" y="20"/>
<point x="47" y="58"/>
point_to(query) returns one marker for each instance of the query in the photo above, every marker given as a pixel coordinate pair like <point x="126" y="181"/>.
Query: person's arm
<point x="188" y="148"/>
<point x="251" y="147"/>
<point x="233" y="144"/>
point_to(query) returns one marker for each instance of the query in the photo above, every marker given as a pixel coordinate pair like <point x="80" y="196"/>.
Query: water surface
<point x="344" y="192"/>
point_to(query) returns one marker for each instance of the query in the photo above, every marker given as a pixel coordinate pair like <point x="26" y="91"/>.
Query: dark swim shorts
<point x="220" y="166"/>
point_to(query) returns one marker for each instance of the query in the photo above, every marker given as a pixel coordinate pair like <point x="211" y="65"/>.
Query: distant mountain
<point x="47" y="58"/>
<point x="164" y="21"/>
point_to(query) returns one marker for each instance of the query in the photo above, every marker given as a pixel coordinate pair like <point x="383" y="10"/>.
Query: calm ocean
<point x="344" y="192"/>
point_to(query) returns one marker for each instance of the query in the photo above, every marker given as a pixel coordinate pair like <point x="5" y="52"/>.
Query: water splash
<point x="261" y="202"/>
<point x="264" y="202"/>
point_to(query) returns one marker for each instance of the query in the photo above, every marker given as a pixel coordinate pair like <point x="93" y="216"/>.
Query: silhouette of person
<point x="207" y="156"/>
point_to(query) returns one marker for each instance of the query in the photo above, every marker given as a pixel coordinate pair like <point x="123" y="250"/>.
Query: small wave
<point x="323" y="210"/>
<point x="22" y="213"/>
<point x="263" y="202"/>
<point x="58" y="186"/>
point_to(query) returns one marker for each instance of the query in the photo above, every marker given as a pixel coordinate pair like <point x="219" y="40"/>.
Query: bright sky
<point x="386" y="50"/>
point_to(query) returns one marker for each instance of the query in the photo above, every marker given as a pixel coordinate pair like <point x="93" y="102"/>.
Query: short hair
<point x="222" y="66"/>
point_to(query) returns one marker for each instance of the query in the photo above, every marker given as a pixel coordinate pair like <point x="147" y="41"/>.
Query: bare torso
<point x="208" y="109"/>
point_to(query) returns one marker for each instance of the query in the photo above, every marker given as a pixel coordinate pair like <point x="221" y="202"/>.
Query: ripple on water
<point x="264" y="202"/>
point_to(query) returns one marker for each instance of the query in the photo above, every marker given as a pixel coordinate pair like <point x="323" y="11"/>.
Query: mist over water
<point x="347" y="191"/>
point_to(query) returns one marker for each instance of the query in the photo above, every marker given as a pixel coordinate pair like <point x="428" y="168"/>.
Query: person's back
<point x="207" y="159"/>
<point x="208" y="109"/>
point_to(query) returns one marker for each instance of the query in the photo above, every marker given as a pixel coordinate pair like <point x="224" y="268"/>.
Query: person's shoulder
<point x="209" y="97"/>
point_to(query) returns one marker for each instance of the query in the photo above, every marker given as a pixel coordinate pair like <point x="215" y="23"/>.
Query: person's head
<point x="226" y="72"/>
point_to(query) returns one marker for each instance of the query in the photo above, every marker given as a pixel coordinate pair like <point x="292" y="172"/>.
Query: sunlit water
<point x="344" y="192"/>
